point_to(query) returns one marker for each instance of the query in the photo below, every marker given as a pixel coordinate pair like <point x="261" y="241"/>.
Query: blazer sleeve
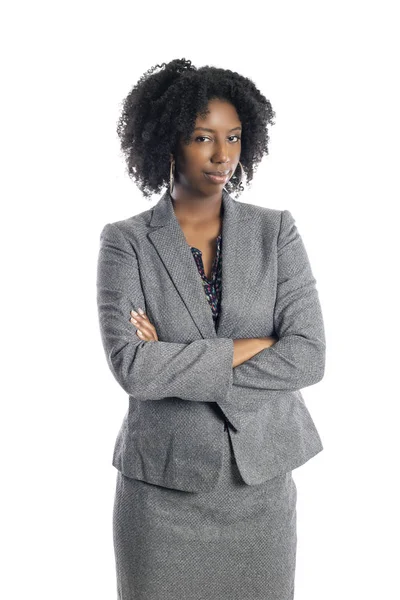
<point x="297" y="359"/>
<point x="198" y="371"/>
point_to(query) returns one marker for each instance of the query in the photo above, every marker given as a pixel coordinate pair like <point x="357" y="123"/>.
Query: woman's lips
<point x="218" y="178"/>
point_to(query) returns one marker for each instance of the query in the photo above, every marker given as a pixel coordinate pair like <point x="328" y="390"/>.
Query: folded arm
<point x="198" y="371"/>
<point x="297" y="359"/>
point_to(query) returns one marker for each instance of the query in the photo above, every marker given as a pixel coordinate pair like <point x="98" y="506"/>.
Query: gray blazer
<point x="183" y="386"/>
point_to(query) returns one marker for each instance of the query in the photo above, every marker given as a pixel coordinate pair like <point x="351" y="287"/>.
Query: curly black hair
<point x="161" y="109"/>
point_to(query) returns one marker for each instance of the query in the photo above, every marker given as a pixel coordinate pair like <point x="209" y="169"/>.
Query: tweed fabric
<point x="235" y="542"/>
<point x="183" y="386"/>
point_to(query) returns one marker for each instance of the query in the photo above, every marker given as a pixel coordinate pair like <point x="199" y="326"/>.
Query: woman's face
<point x="215" y="145"/>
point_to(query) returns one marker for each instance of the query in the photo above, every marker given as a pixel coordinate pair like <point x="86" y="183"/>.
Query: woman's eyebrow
<point x="213" y="131"/>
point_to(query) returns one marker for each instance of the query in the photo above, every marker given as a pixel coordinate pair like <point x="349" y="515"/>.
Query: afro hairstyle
<point x="161" y="110"/>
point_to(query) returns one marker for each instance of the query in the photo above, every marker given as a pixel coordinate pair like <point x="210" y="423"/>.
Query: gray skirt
<point x="235" y="542"/>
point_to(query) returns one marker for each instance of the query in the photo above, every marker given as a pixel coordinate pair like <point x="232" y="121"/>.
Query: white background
<point x="330" y="70"/>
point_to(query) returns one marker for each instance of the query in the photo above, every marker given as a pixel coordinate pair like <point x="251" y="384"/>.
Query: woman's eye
<point x="203" y="137"/>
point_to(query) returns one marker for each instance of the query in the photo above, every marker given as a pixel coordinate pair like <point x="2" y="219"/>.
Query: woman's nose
<point x="221" y="155"/>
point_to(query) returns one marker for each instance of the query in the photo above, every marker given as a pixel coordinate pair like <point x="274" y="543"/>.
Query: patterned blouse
<point x="212" y="287"/>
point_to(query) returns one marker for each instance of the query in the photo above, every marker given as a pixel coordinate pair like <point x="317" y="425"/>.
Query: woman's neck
<point x="191" y="209"/>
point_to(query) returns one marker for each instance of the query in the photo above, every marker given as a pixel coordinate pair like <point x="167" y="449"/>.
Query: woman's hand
<point x="145" y="330"/>
<point x="246" y="348"/>
<point x="270" y="340"/>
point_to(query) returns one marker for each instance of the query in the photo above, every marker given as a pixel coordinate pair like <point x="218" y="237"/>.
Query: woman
<point x="211" y="322"/>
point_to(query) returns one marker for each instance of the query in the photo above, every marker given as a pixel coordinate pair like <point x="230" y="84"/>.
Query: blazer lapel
<point x="169" y="240"/>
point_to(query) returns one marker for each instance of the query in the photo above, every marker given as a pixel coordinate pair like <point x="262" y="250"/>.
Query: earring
<point x="241" y="173"/>
<point x="171" y="176"/>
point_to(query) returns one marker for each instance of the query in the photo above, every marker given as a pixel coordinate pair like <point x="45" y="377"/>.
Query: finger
<point x="144" y="336"/>
<point x="144" y="324"/>
<point x="137" y="315"/>
<point x="138" y="320"/>
<point x="140" y="329"/>
<point x="148" y="331"/>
